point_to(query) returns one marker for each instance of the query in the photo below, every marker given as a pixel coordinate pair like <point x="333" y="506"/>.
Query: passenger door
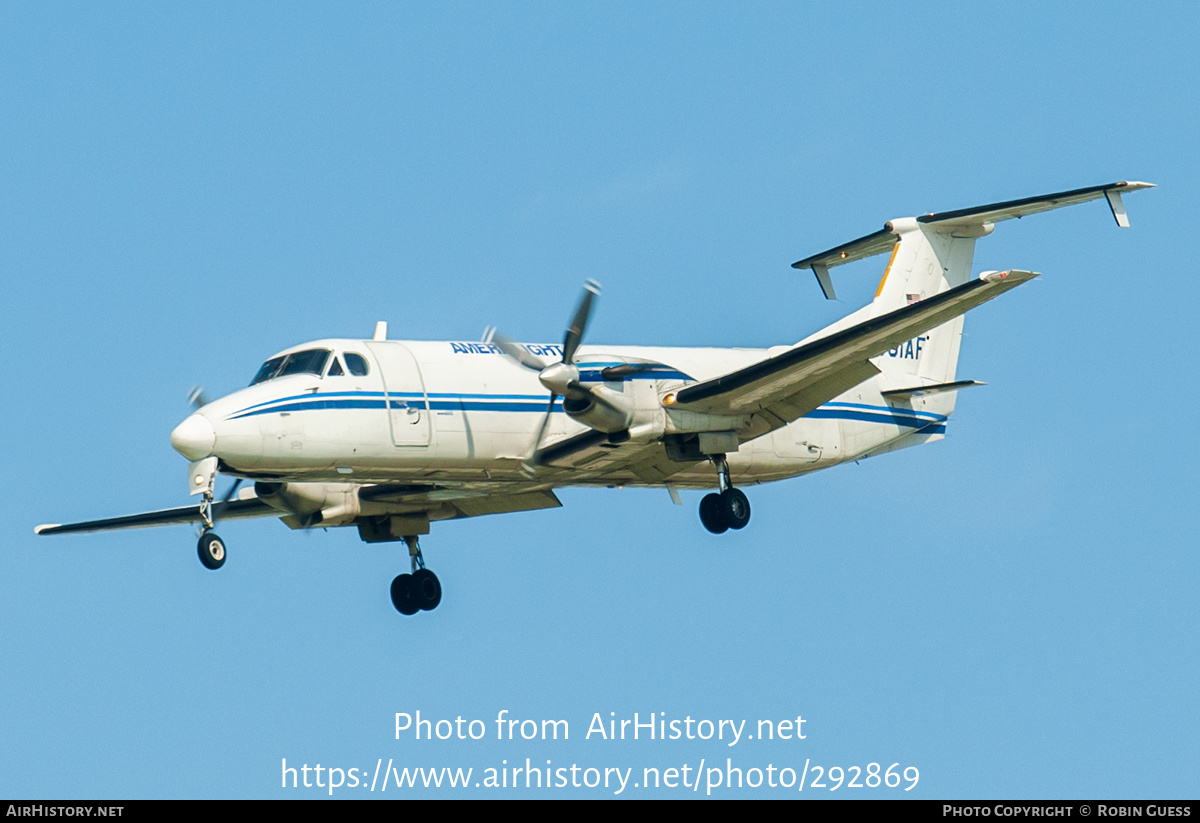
<point x="408" y="404"/>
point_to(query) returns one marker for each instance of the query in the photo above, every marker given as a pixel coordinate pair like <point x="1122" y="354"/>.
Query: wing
<point x="231" y="510"/>
<point x="468" y="501"/>
<point x="787" y="386"/>
<point x="779" y="389"/>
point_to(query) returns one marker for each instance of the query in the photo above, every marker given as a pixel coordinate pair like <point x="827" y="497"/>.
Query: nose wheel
<point x="727" y="509"/>
<point x="419" y="591"/>
<point x="211" y="550"/>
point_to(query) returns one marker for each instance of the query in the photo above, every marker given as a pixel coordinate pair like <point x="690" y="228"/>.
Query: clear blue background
<point x="188" y="188"/>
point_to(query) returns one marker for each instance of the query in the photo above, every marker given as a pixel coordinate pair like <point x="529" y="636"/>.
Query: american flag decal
<point x="913" y="298"/>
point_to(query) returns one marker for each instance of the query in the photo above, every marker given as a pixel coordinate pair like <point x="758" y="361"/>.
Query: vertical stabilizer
<point x="929" y="255"/>
<point x="925" y="261"/>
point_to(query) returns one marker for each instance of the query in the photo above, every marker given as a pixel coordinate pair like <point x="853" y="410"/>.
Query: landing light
<point x="669" y="400"/>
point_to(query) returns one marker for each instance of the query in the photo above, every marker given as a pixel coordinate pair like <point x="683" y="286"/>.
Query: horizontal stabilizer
<point x="996" y="212"/>
<point x="973" y="222"/>
<point x="926" y="391"/>
<point x="860" y="249"/>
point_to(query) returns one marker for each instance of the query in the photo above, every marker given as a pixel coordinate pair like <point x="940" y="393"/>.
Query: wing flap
<point x="468" y="500"/>
<point x="794" y="406"/>
<point x="811" y="372"/>
<point x="504" y="503"/>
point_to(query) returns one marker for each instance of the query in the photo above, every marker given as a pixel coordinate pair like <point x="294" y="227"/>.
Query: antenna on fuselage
<point x="380" y="330"/>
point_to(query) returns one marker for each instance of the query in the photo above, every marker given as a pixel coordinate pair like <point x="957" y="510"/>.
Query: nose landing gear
<point x="420" y="590"/>
<point x="211" y="550"/>
<point x="727" y="509"/>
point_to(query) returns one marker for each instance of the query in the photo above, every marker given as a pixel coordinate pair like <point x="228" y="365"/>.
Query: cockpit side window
<point x="335" y="368"/>
<point x="357" y="364"/>
<point x="268" y="370"/>
<point x="301" y="362"/>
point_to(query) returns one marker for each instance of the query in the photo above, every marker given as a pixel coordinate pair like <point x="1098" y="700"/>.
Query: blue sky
<point x="188" y="189"/>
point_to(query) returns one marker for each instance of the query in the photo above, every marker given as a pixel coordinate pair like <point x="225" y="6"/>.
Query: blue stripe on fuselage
<point x="533" y="403"/>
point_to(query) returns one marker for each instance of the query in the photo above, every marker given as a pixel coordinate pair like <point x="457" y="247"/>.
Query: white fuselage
<point x="447" y="412"/>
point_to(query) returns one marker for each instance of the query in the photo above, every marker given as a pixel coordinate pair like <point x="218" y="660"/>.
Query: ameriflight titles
<point x="652" y="726"/>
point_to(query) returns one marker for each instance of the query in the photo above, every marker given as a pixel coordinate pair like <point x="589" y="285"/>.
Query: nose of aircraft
<point x="194" y="438"/>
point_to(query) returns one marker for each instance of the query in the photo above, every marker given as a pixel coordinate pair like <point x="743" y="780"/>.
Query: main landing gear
<point x="420" y="590"/>
<point x="727" y="509"/>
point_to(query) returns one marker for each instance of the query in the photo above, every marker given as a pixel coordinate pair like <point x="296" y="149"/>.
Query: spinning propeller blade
<point x="197" y="398"/>
<point x="560" y="378"/>
<point x="531" y="462"/>
<point x="583" y="312"/>
<point x="232" y="490"/>
<point x="516" y="352"/>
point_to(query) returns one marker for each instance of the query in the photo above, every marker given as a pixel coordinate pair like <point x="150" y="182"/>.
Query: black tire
<point x="402" y="595"/>
<point x="736" y="508"/>
<point x="426" y="589"/>
<point x="211" y="550"/>
<point x="712" y="514"/>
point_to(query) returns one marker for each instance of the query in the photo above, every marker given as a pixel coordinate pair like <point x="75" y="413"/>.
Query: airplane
<point x="390" y="436"/>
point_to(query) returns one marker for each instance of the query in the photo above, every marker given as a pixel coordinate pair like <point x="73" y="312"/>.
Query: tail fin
<point x="933" y="253"/>
<point x="925" y="261"/>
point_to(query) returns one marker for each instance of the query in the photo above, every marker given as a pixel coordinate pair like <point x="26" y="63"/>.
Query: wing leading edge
<point x="789" y="385"/>
<point x="454" y="503"/>
<point x="230" y="510"/>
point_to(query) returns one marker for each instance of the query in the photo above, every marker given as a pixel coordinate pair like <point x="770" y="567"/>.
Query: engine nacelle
<point x="602" y="409"/>
<point x="312" y="504"/>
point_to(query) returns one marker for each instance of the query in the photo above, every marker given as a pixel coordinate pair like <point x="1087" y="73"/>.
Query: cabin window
<point x="357" y="364"/>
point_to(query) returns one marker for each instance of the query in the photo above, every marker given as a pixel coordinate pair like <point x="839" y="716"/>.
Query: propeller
<point x="232" y="490"/>
<point x="561" y="378"/>
<point x="197" y="398"/>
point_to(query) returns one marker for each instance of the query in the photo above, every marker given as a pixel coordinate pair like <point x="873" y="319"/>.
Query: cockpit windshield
<point x="311" y="361"/>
